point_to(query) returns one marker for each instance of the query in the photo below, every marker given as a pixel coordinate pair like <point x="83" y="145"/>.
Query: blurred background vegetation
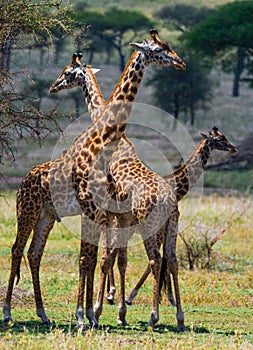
<point x="215" y="38"/>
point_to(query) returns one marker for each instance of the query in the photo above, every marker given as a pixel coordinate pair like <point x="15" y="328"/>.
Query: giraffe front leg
<point x="173" y="266"/>
<point x="42" y="229"/>
<point x="122" y="265"/>
<point x="135" y="291"/>
<point x="90" y="314"/>
<point x="106" y="263"/>
<point x="111" y="289"/>
<point x="155" y="262"/>
<point x="81" y="288"/>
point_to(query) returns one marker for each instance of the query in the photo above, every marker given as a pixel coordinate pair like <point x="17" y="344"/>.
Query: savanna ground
<point x="218" y="303"/>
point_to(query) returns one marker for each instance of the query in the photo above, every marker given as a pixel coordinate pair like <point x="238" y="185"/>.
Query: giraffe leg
<point x="25" y="225"/>
<point x="90" y="287"/>
<point x="170" y="295"/>
<point x="87" y="265"/>
<point x="155" y="262"/>
<point x="172" y="266"/>
<point x="111" y="289"/>
<point x="83" y="271"/>
<point x="42" y="229"/>
<point x="106" y="263"/>
<point x="122" y="265"/>
<point x="135" y="291"/>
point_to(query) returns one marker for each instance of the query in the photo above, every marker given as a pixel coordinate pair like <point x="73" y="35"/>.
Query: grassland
<point x="218" y="303"/>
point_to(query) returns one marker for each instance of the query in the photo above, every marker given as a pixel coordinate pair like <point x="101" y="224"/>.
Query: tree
<point x="183" y="92"/>
<point x="25" y="24"/>
<point x="183" y="16"/>
<point x="229" y="28"/>
<point x="114" y="28"/>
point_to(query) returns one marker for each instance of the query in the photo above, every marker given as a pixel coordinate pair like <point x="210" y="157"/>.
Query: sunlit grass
<point x="218" y="304"/>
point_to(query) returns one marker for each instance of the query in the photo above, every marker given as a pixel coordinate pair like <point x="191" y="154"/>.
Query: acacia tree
<point x="25" y="23"/>
<point x="114" y="28"/>
<point x="227" y="30"/>
<point x="183" y="16"/>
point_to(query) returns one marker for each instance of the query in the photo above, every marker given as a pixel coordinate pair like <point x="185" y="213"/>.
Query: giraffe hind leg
<point x="25" y="226"/>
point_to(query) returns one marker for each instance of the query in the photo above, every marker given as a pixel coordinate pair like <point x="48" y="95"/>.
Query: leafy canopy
<point x="231" y="25"/>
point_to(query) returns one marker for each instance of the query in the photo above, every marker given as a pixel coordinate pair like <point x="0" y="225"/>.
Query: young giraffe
<point x="68" y="185"/>
<point x="185" y="178"/>
<point x="64" y="82"/>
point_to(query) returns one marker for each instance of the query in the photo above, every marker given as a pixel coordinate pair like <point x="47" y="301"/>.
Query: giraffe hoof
<point x="81" y="326"/>
<point x="128" y="302"/>
<point x="7" y="319"/>
<point x="180" y="326"/>
<point x="94" y="324"/>
<point x="46" y="322"/>
<point x="110" y="300"/>
<point x="122" y="323"/>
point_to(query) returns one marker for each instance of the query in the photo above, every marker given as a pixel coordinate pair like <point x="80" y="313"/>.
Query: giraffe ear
<point x="204" y="135"/>
<point x="95" y="70"/>
<point x="140" y="47"/>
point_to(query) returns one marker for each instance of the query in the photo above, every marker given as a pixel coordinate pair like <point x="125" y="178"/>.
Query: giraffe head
<point x="71" y="76"/>
<point x="218" y="141"/>
<point x="159" y="52"/>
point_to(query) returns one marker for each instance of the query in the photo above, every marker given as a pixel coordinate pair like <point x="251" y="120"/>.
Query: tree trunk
<point x="122" y="61"/>
<point x="176" y="110"/>
<point x="238" y="70"/>
<point x="192" y="112"/>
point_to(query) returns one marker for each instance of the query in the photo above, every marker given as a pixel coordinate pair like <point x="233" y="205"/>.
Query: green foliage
<point x="113" y="29"/>
<point x="183" y="16"/>
<point x="231" y="25"/>
<point x="26" y="24"/>
<point x="116" y="20"/>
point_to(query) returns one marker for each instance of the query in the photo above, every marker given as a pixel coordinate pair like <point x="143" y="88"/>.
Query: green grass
<point x="241" y="179"/>
<point x="218" y="304"/>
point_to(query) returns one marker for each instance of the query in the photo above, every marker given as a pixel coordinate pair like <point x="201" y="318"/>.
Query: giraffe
<point x="76" y="179"/>
<point x="185" y="177"/>
<point x="67" y="82"/>
<point x="64" y="82"/>
<point x="182" y="180"/>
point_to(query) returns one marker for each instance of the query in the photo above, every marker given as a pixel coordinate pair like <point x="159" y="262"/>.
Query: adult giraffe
<point x="75" y="183"/>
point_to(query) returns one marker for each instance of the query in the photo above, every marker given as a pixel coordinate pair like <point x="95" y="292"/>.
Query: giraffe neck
<point x="111" y="123"/>
<point x="124" y="94"/>
<point x="92" y="94"/>
<point x="188" y="174"/>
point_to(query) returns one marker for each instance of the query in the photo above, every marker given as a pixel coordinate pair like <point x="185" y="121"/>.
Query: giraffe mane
<point x="122" y="76"/>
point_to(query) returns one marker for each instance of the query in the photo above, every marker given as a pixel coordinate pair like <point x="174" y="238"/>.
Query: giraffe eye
<point x="67" y="72"/>
<point x="158" y="50"/>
